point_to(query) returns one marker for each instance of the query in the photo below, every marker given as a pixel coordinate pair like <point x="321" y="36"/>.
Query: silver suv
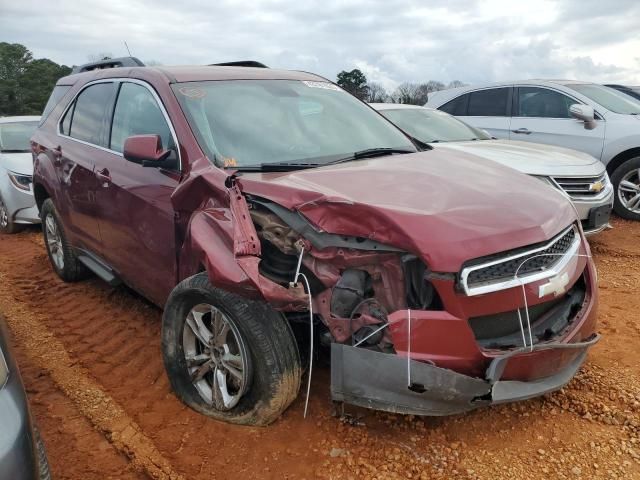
<point x="583" y="116"/>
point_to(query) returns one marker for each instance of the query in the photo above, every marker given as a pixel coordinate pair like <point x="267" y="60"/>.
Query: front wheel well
<point x="40" y="193"/>
<point x="622" y="157"/>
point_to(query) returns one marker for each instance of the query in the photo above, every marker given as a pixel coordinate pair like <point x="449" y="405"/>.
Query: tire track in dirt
<point x="94" y="403"/>
<point x="75" y="449"/>
<point x="115" y="336"/>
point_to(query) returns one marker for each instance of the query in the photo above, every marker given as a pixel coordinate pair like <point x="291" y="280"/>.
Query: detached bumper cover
<point x="391" y="383"/>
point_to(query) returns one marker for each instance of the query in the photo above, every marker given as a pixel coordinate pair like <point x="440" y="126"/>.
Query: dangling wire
<point x="524" y="296"/>
<point x="409" y="348"/>
<point x="306" y="281"/>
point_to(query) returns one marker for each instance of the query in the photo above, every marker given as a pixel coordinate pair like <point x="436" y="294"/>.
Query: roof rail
<point x="108" y="63"/>
<point x="241" y="63"/>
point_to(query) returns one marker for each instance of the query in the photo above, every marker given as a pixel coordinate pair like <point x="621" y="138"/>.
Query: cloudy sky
<point x="391" y="41"/>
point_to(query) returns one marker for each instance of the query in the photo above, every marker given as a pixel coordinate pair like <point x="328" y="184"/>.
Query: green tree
<point x="25" y="83"/>
<point x="14" y="59"/>
<point x="37" y="82"/>
<point x="354" y="82"/>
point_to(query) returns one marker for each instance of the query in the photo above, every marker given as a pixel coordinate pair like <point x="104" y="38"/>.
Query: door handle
<point x="525" y="131"/>
<point x="104" y="176"/>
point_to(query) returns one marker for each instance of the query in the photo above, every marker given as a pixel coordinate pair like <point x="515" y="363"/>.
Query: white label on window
<point x="325" y="85"/>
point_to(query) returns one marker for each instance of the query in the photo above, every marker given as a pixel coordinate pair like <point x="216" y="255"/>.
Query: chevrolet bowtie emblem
<point x="596" y="187"/>
<point x="556" y="286"/>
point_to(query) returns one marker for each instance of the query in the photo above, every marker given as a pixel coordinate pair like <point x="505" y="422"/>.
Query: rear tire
<point x="626" y="181"/>
<point x="62" y="257"/>
<point x="6" y="224"/>
<point x="266" y="372"/>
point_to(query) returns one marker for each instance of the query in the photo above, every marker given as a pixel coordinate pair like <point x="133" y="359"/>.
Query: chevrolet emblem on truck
<point x="556" y="286"/>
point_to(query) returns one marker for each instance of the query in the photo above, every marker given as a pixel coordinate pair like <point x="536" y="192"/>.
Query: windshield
<point x="260" y="122"/>
<point x="430" y="126"/>
<point x="609" y="98"/>
<point x="14" y="137"/>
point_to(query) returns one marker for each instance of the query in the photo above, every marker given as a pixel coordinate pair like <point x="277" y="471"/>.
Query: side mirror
<point x="146" y="150"/>
<point x="584" y="113"/>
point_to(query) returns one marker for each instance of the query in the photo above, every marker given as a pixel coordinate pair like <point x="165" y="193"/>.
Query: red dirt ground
<point x="588" y="430"/>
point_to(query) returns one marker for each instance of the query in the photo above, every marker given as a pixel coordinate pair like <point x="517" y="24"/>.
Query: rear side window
<point x="58" y="92"/>
<point x="543" y="103"/>
<point x="489" y="103"/>
<point x="85" y="120"/>
<point x="457" y="106"/>
<point x="138" y="113"/>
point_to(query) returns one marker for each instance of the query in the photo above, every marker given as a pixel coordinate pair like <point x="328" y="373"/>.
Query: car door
<point x="541" y="115"/>
<point x="488" y="109"/>
<point x="82" y="137"/>
<point x="135" y="215"/>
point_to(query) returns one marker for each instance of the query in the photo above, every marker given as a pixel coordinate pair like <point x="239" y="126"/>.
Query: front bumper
<point x="395" y="384"/>
<point x="594" y="214"/>
<point x="21" y="204"/>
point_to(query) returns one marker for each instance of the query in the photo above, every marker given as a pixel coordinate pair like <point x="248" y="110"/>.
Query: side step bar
<point x="97" y="267"/>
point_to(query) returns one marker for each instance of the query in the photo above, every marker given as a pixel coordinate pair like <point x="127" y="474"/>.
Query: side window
<point x="88" y="119"/>
<point x="489" y="103"/>
<point x="58" y="92"/>
<point x="65" y="126"/>
<point x="138" y="113"/>
<point x="457" y="106"/>
<point x="542" y="102"/>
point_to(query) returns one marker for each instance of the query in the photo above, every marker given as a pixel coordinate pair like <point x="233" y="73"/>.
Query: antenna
<point x="127" y="46"/>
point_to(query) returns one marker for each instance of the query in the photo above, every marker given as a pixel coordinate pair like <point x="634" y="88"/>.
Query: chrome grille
<point x="498" y="272"/>
<point x="582" y="186"/>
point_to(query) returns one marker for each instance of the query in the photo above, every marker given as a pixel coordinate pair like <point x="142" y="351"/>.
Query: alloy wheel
<point x="54" y="241"/>
<point x="216" y="357"/>
<point x="629" y="191"/>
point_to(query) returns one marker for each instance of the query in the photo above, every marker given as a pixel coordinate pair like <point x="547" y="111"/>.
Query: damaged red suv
<point x="239" y="198"/>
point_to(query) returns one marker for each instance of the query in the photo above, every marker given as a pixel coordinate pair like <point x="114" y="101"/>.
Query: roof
<point x="397" y="106"/>
<point x="24" y="118"/>
<point x="440" y="97"/>
<point x="195" y="73"/>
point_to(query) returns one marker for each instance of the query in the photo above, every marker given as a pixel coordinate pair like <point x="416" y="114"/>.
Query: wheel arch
<point x="40" y="194"/>
<point x="622" y="157"/>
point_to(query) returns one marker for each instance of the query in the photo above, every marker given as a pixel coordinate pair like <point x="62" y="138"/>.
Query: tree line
<point x="355" y="82"/>
<point x="26" y="83"/>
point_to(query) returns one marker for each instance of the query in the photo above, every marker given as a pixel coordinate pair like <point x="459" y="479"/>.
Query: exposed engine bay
<point x="354" y="282"/>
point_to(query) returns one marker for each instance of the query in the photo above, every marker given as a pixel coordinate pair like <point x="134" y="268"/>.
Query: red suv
<point x="252" y="203"/>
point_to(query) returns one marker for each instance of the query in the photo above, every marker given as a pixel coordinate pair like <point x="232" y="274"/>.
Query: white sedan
<point x="581" y="177"/>
<point x="17" y="204"/>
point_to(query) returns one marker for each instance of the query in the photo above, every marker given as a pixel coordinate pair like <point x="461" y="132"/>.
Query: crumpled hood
<point x="17" y="162"/>
<point x="531" y="158"/>
<point x="443" y="205"/>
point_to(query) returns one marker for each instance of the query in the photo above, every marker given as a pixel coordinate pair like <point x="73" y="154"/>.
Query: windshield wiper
<point x="275" y="167"/>
<point x="380" y="152"/>
<point x="372" y="153"/>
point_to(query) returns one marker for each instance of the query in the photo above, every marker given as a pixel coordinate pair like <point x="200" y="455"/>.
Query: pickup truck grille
<point x="581" y="187"/>
<point x="498" y="272"/>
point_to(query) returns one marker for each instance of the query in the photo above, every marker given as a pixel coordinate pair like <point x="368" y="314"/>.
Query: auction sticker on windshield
<point x="192" y="92"/>
<point x="325" y="85"/>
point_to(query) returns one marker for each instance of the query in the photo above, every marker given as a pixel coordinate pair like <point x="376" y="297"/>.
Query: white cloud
<point x="392" y="41"/>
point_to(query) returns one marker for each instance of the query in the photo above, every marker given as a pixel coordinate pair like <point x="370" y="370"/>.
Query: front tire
<point x="61" y="255"/>
<point x="626" y="181"/>
<point x="228" y="357"/>
<point x="6" y="224"/>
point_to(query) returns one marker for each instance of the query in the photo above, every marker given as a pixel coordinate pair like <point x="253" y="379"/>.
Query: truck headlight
<point x="21" y="182"/>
